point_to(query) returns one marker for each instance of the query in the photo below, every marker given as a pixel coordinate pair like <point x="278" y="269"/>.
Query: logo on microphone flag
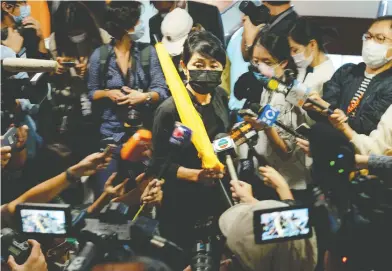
<point x="181" y="134"/>
<point x="269" y="115"/>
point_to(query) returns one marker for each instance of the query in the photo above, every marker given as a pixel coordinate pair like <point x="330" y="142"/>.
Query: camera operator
<point x="186" y="199"/>
<point x="68" y="119"/>
<point x="363" y="91"/>
<point x="129" y="90"/>
<point x="46" y="191"/>
<point x="236" y="225"/>
<point x="16" y="15"/>
<point x="36" y="261"/>
<point x="280" y="18"/>
<point x="378" y="142"/>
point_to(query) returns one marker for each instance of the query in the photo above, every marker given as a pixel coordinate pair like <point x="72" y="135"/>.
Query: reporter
<point x="378" y="142"/>
<point x="280" y="20"/>
<point x="16" y="14"/>
<point x="308" y="52"/>
<point x="36" y="260"/>
<point x="131" y="85"/>
<point x="236" y="225"/>
<point x="203" y="62"/>
<point x="46" y="191"/>
<point x="271" y="56"/>
<point x="363" y="91"/>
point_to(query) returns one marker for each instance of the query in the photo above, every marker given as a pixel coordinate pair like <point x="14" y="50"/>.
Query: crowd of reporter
<point x="107" y="85"/>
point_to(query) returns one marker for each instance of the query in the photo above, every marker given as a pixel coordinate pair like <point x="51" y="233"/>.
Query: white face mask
<point x="78" y="38"/>
<point x="374" y="54"/>
<point x="138" y="33"/>
<point x="301" y="61"/>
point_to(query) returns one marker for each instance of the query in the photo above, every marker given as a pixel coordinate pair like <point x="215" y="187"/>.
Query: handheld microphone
<point x="224" y="147"/>
<point x="269" y="116"/>
<point x="297" y="93"/>
<point x="16" y="65"/>
<point x="133" y="149"/>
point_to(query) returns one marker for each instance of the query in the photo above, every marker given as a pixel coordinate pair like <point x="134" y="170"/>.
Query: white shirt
<point x="293" y="165"/>
<point x="316" y="79"/>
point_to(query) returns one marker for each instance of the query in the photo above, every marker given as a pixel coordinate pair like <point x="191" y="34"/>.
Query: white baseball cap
<point x="236" y="225"/>
<point x="175" y="29"/>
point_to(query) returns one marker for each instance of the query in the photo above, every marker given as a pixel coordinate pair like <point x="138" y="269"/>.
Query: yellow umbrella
<point x="188" y="114"/>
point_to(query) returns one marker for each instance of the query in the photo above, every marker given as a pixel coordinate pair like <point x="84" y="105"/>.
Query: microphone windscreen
<point x="133" y="149"/>
<point x="28" y="65"/>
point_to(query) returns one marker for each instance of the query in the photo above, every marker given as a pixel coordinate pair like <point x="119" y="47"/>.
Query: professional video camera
<point x="257" y="14"/>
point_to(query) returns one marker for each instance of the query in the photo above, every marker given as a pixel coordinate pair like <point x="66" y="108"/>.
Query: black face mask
<point x="204" y="81"/>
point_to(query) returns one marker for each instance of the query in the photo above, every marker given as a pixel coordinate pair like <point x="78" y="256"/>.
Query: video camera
<point x="257" y="14"/>
<point x="109" y="237"/>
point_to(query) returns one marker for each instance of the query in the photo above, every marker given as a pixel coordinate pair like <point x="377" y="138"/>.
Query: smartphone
<point x="10" y="138"/>
<point x="304" y="130"/>
<point x="282" y="224"/>
<point x="247" y="113"/>
<point x="68" y="64"/>
<point x="39" y="219"/>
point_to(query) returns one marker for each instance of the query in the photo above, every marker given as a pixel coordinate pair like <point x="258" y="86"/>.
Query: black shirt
<point x="184" y="201"/>
<point x="284" y="26"/>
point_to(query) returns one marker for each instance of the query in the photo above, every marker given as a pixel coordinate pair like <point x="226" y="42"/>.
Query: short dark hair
<point x="381" y="19"/>
<point x="206" y="44"/>
<point x="277" y="45"/>
<point x="70" y="16"/>
<point x="10" y="2"/>
<point x="121" y="16"/>
<point x="304" y="31"/>
<point x="277" y="3"/>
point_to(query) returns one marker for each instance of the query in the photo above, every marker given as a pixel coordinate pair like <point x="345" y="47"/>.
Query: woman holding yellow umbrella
<point x="187" y="195"/>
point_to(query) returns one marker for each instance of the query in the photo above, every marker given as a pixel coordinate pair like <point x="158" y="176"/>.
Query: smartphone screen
<point x="282" y="224"/>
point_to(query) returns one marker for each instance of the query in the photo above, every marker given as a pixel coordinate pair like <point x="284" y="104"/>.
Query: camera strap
<point x="281" y="17"/>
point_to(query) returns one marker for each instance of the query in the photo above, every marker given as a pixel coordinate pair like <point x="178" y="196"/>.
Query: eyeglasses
<point x="379" y="38"/>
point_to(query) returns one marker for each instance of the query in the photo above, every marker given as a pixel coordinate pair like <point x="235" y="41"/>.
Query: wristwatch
<point x="71" y="178"/>
<point x="149" y="98"/>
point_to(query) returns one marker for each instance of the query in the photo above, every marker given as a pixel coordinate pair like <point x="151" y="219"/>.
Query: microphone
<point x="16" y="65"/>
<point x="296" y="93"/>
<point x="133" y="149"/>
<point x="269" y="116"/>
<point x="84" y="259"/>
<point x="224" y="147"/>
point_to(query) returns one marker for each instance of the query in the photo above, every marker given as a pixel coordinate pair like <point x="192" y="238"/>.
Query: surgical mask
<point x="301" y="61"/>
<point x="138" y="33"/>
<point x="266" y="70"/>
<point x="78" y="38"/>
<point x="204" y="81"/>
<point x="25" y="12"/>
<point x="374" y="54"/>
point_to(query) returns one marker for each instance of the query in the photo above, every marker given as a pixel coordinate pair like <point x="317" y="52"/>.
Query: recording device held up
<point x="257" y="14"/>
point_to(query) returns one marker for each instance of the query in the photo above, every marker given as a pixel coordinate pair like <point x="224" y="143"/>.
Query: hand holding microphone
<point x="242" y="192"/>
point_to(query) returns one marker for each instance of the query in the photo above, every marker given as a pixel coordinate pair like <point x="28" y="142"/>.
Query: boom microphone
<point x="16" y="65"/>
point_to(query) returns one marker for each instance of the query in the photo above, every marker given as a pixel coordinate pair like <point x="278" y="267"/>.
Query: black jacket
<point x="344" y="84"/>
<point x="206" y="15"/>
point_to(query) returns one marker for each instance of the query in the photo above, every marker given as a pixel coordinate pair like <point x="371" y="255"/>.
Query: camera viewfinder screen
<point x="43" y="221"/>
<point x="283" y="225"/>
